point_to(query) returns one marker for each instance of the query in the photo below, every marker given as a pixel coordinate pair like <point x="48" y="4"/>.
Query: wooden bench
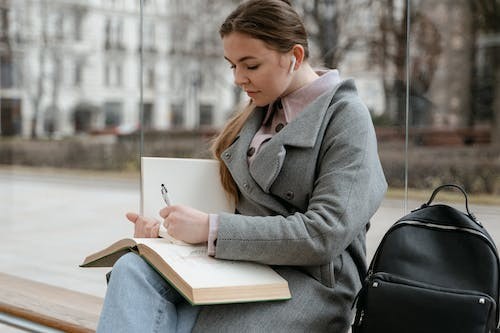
<point x="47" y="305"/>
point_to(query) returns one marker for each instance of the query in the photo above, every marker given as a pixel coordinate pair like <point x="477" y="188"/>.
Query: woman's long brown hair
<point x="277" y="24"/>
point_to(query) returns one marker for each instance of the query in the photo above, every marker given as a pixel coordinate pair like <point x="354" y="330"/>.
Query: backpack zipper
<point x="447" y="227"/>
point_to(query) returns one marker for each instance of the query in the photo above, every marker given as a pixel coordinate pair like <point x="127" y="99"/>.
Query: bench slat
<point x="48" y="305"/>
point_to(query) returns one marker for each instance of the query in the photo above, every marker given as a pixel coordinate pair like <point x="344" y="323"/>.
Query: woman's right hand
<point x="144" y="227"/>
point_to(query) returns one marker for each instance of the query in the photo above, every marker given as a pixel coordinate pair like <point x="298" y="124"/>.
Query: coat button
<point x="246" y="186"/>
<point x="289" y="195"/>
<point x="227" y="155"/>
<point x="250" y="151"/>
<point x="279" y="127"/>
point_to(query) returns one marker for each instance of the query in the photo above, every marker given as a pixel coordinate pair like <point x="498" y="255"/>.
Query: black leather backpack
<point x="435" y="270"/>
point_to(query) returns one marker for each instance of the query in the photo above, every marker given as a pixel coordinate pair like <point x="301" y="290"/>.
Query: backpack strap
<point x="472" y="217"/>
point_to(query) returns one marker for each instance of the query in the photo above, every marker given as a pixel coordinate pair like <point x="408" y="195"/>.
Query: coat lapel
<point x="266" y="166"/>
<point x="301" y="132"/>
<point x="235" y="158"/>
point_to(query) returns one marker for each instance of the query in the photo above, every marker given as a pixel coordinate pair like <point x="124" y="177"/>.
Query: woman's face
<point x="261" y="72"/>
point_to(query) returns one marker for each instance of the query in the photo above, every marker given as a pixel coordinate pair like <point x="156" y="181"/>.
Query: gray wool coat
<point x="305" y="203"/>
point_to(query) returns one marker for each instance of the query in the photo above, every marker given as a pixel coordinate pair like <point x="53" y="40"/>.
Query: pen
<point x="164" y="194"/>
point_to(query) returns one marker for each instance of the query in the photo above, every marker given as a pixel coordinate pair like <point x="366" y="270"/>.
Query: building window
<point x="107" y="34"/>
<point x="112" y="114"/>
<point x="59" y="26"/>
<point x="149" y="37"/>
<point x="4" y="24"/>
<point x="107" y="75"/>
<point x="118" y="76"/>
<point x="6" y="71"/>
<point x="114" y="33"/>
<point x="149" y="77"/>
<point x="113" y="76"/>
<point x="50" y="119"/>
<point x="177" y="115"/>
<point x="206" y="114"/>
<point x="78" y="20"/>
<point x="10" y="117"/>
<point x="84" y="116"/>
<point x="78" y="73"/>
<point x="147" y="120"/>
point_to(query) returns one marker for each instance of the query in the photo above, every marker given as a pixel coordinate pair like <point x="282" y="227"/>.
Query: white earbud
<point x="292" y="67"/>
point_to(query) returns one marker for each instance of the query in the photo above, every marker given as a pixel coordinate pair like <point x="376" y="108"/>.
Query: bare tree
<point x="389" y="51"/>
<point x="10" y="74"/>
<point x="45" y="84"/>
<point x="333" y="26"/>
<point x="338" y="27"/>
<point x="488" y="12"/>
<point x="39" y="89"/>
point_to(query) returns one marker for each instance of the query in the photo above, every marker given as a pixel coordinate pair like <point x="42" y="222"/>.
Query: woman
<point x="301" y="162"/>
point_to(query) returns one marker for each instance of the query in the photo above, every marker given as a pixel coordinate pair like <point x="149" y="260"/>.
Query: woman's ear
<point x="297" y="57"/>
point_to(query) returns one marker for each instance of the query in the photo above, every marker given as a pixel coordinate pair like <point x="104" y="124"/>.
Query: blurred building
<point x="73" y="66"/>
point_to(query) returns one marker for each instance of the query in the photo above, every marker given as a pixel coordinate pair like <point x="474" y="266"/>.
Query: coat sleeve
<point x="348" y="190"/>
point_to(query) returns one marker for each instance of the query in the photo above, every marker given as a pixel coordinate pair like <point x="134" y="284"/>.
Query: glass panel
<point x="191" y="90"/>
<point x="71" y="89"/>
<point x="454" y="103"/>
<point x="68" y="142"/>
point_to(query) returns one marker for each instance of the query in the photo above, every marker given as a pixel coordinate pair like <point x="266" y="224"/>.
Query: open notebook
<point x="200" y="278"/>
<point x="191" y="182"/>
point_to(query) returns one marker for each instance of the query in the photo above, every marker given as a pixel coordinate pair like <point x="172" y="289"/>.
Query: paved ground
<point x="51" y="221"/>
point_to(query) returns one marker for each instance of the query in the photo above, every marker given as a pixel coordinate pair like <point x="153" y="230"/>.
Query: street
<point x="53" y="219"/>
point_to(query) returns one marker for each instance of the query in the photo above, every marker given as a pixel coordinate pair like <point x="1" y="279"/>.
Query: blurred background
<point x="89" y="86"/>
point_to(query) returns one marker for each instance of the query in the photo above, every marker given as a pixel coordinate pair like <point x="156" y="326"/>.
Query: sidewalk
<point x="53" y="221"/>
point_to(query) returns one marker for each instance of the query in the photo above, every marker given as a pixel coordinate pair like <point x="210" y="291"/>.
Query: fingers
<point x="172" y="215"/>
<point x="185" y="223"/>
<point x="132" y="217"/>
<point x="164" y="212"/>
<point x="143" y="226"/>
<point x="146" y="228"/>
<point x="151" y="231"/>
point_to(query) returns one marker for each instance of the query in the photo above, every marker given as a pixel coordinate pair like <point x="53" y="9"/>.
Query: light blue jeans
<point x="139" y="300"/>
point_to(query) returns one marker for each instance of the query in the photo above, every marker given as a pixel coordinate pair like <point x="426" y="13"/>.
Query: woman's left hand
<point x="144" y="226"/>
<point x="185" y="223"/>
